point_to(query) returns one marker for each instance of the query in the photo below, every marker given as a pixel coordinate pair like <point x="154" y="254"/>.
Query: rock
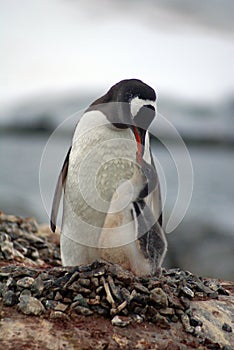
<point x="61" y="307"/>
<point x="95" y="281"/>
<point x="161" y="321"/>
<point x="188" y="292"/>
<point x="168" y="311"/>
<point x="49" y="304"/>
<point x="10" y="298"/>
<point x="126" y="295"/>
<point x="30" y="306"/>
<point x="186" y="323"/>
<point x="10" y="284"/>
<point x="99" y="289"/>
<point x="2" y="289"/>
<point x="20" y="241"/>
<point x="119" y="308"/>
<point x="214" y="314"/>
<point x="83" y="310"/>
<point x="115" y="290"/>
<point x="162" y="304"/>
<point x="195" y="322"/>
<point x="26" y="292"/>
<point x="140" y="288"/>
<point x="58" y="296"/>
<point x="122" y="342"/>
<point x="84" y="282"/>
<point x="80" y="300"/>
<point x="121" y="274"/>
<point x="120" y="321"/>
<point x="7" y="247"/>
<point x="159" y="297"/>
<point x="226" y="328"/>
<point x="25" y="282"/>
<point x="76" y="287"/>
<point x="37" y="286"/>
<point x="58" y="315"/>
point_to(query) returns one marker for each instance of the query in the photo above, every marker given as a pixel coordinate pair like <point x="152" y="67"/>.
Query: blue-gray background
<point x="57" y="56"/>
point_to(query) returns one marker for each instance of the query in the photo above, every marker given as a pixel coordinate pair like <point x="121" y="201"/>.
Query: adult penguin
<point x="109" y="173"/>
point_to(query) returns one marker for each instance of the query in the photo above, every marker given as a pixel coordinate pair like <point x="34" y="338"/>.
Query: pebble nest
<point x="46" y="288"/>
<point x="22" y="241"/>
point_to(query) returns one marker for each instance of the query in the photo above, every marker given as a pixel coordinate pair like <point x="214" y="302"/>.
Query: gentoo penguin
<point x="112" y="202"/>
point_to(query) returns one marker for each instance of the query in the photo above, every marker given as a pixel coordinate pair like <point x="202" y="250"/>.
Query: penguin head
<point x="136" y="104"/>
<point x="140" y="100"/>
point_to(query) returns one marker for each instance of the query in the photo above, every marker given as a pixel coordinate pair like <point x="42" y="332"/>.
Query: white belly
<point x="101" y="158"/>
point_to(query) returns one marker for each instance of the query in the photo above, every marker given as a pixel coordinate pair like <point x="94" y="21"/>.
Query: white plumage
<point x="106" y="206"/>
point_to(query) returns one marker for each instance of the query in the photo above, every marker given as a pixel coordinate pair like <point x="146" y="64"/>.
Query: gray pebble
<point x="25" y="282"/>
<point x="76" y="287"/>
<point x="83" y="310"/>
<point x="115" y="290"/>
<point x="212" y="284"/>
<point x="30" y="306"/>
<point x="226" y="328"/>
<point x="186" y="323"/>
<point x="120" y="321"/>
<point x="67" y="300"/>
<point x="58" y="314"/>
<point x="140" y="288"/>
<point x="10" y="298"/>
<point x="195" y="322"/>
<point x="95" y="281"/>
<point x="10" y="284"/>
<point x="159" y="297"/>
<point x="84" y="282"/>
<point x="2" y="289"/>
<point x="37" y="287"/>
<point x="187" y="291"/>
<point x="61" y="307"/>
<point x="50" y="304"/>
<point x="58" y="296"/>
<point x="26" y="292"/>
<point x="7" y="248"/>
<point x="81" y="300"/>
<point x="168" y="311"/>
<point x="99" y="289"/>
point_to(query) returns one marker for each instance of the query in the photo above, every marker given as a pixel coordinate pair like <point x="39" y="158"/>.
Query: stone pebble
<point x="30" y="306"/>
<point x="19" y="241"/>
<point x="102" y="288"/>
<point x="107" y="290"/>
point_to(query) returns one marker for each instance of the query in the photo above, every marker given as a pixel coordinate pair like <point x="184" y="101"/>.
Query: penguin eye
<point x="128" y="96"/>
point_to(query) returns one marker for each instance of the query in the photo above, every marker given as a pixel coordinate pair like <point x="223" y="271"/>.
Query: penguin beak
<point x="141" y="119"/>
<point x="144" y="116"/>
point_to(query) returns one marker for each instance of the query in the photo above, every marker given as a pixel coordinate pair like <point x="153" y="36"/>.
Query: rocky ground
<point x="46" y="306"/>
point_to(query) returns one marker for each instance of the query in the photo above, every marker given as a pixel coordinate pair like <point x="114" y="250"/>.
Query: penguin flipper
<point x="58" y="192"/>
<point x="154" y="199"/>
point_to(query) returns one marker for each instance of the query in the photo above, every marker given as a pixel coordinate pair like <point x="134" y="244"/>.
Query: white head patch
<point x="137" y="103"/>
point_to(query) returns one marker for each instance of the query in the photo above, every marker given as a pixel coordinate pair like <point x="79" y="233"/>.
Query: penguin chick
<point x="133" y="237"/>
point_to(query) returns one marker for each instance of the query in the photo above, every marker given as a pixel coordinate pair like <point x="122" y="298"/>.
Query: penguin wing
<point x="154" y="200"/>
<point x="58" y="192"/>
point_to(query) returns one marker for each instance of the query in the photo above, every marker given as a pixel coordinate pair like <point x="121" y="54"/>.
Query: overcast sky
<point x="52" y="46"/>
